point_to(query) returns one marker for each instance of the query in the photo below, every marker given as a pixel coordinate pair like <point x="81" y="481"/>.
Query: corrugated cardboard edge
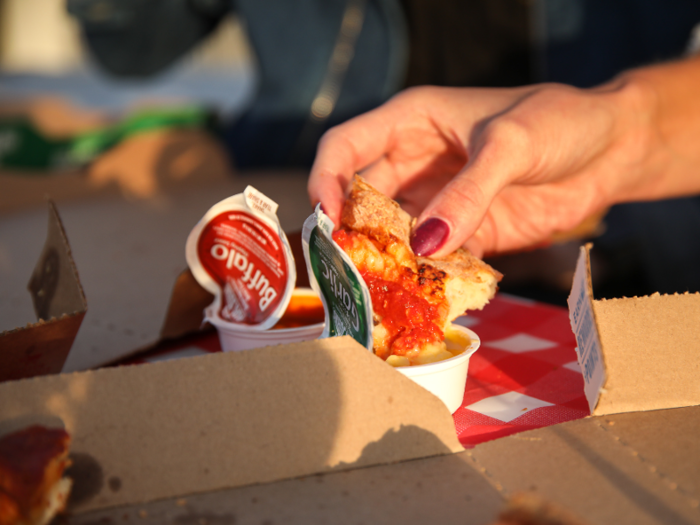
<point x="59" y="301"/>
<point x="583" y="323"/>
<point x="233" y="419"/>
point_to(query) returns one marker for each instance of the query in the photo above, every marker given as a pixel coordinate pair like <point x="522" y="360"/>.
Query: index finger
<point x="343" y="151"/>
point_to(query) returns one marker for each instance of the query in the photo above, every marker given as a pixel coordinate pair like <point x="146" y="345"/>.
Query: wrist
<point x="636" y="150"/>
<point x="657" y="115"/>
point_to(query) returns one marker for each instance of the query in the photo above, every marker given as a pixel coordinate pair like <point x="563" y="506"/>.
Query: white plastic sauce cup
<point x="446" y="379"/>
<point x="233" y="338"/>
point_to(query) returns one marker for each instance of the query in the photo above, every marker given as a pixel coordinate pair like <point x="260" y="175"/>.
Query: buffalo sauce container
<point x="239" y="253"/>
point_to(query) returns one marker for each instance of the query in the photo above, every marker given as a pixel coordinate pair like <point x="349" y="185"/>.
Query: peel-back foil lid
<point x="239" y="253"/>
<point x="333" y="275"/>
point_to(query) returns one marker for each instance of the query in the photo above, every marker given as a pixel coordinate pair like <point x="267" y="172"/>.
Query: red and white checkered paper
<point x="524" y="376"/>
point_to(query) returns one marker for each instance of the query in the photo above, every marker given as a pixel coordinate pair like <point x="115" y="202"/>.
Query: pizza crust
<point x="469" y="283"/>
<point x="368" y="211"/>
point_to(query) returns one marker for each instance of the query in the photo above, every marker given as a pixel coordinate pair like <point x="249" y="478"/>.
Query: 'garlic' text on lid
<point x="345" y="296"/>
<point x="239" y="253"/>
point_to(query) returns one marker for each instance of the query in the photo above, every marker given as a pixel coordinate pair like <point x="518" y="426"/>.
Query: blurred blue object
<point x="318" y="62"/>
<point x="226" y="92"/>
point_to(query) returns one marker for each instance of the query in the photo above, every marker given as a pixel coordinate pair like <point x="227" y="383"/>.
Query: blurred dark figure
<point x="319" y="62"/>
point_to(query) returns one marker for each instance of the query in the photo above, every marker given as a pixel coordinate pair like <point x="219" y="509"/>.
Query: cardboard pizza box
<point x="635" y="468"/>
<point x="193" y="425"/>
<point x="325" y="432"/>
<point x="638" y="353"/>
<point x="41" y="347"/>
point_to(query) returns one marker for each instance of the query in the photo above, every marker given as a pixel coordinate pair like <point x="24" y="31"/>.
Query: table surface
<point x="525" y="374"/>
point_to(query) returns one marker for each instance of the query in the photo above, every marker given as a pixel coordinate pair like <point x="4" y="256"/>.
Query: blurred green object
<point x="23" y="147"/>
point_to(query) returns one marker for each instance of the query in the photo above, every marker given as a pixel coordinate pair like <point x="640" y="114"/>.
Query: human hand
<point x="493" y="169"/>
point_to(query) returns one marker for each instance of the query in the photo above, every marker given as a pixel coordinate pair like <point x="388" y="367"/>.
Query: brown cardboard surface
<point x="443" y="490"/>
<point x="130" y="253"/>
<point x="637" y="468"/>
<point x="59" y="303"/>
<point x="37" y="349"/>
<point x="185" y="313"/>
<point x="232" y="419"/>
<point x="637" y="353"/>
<point x="651" y="347"/>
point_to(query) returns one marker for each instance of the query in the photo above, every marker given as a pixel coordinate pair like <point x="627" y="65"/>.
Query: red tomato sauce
<point x="342" y="238"/>
<point x="410" y="319"/>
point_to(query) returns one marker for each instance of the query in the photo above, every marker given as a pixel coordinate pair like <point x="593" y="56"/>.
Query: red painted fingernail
<point x="429" y="237"/>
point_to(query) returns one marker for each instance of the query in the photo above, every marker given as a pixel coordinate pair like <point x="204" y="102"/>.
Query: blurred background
<point x="42" y="52"/>
<point x="267" y="78"/>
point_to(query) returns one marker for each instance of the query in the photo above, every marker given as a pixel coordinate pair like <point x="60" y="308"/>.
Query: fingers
<point x="465" y="157"/>
<point x="524" y="216"/>
<point x="343" y="151"/>
<point x="387" y="145"/>
<point x="497" y="158"/>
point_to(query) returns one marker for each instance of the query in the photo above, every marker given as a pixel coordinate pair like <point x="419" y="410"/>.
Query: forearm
<point x="662" y="106"/>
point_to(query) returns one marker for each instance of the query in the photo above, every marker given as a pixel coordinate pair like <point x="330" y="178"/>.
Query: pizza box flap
<point x="622" y="469"/>
<point x="59" y="304"/>
<point x="445" y="489"/>
<point x="153" y="431"/>
<point x="637" y="353"/>
<point x="633" y="468"/>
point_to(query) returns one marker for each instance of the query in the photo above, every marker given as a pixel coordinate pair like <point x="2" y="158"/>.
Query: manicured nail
<point x="429" y="237"/>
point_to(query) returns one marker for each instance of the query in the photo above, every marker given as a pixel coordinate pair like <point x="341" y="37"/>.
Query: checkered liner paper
<point x="524" y="376"/>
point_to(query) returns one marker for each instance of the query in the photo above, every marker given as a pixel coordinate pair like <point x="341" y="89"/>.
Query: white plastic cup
<point x="446" y="379"/>
<point x="234" y="338"/>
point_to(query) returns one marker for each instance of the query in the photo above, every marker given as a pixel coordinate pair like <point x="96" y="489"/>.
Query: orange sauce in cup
<point x="304" y="309"/>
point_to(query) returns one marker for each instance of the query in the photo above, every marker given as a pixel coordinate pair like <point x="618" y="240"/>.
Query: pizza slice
<point x="32" y="487"/>
<point x="414" y="298"/>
